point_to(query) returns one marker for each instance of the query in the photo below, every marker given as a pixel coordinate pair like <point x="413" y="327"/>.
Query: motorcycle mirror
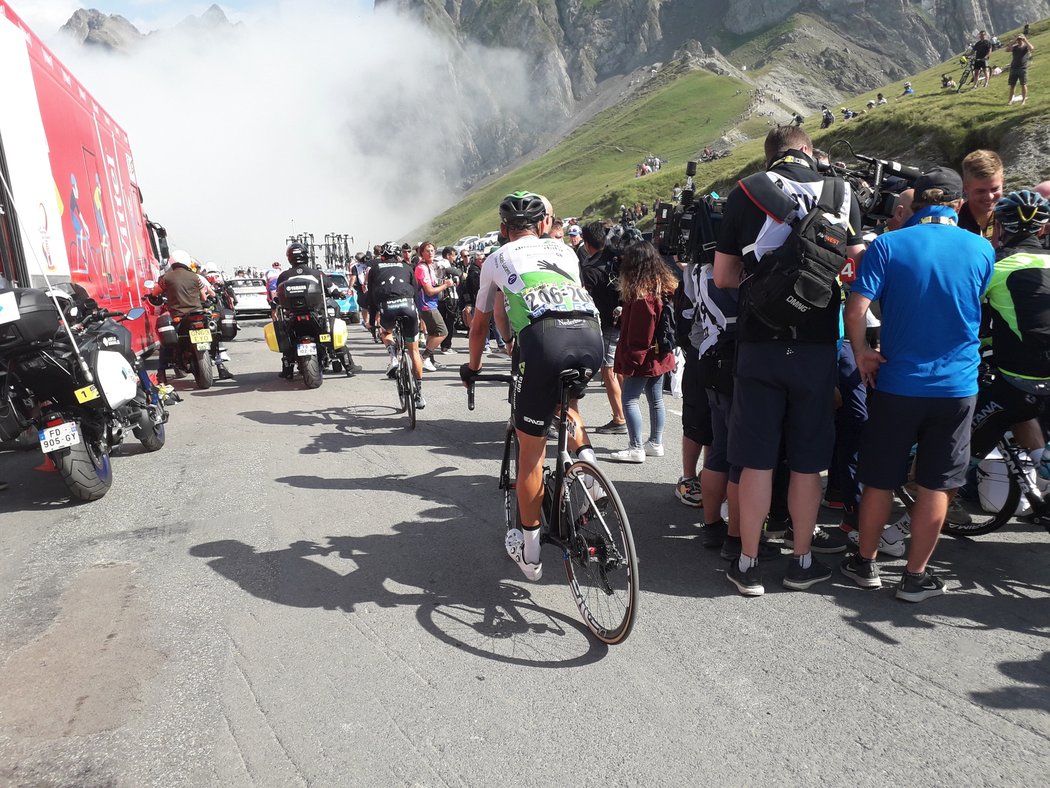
<point x="91" y="305"/>
<point x="150" y="284"/>
<point x="136" y="313"/>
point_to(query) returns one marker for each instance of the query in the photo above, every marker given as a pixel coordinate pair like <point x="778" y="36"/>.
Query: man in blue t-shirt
<point x="929" y="278"/>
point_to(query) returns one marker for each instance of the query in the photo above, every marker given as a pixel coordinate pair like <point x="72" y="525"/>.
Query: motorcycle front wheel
<point x="85" y="469"/>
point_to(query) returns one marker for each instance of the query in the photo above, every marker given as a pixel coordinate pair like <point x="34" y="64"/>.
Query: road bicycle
<point x="403" y="376"/>
<point x="583" y="517"/>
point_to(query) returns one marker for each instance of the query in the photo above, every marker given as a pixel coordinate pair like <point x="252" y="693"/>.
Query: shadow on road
<point x="451" y="567"/>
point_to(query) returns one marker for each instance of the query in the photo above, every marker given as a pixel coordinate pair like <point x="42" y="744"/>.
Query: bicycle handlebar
<point x="484" y="377"/>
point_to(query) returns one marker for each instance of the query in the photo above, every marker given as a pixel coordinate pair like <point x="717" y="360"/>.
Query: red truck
<point x="70" y="204"/>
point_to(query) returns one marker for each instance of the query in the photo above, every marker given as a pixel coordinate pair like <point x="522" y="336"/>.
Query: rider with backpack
<point x="786" y="234"/>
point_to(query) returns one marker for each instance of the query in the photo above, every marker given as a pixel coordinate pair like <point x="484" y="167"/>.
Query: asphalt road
<point x="299" y="590"/>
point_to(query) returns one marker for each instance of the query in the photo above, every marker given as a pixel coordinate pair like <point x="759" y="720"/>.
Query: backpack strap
<point x="771" y="200"/>
<point x="831" y="199"/>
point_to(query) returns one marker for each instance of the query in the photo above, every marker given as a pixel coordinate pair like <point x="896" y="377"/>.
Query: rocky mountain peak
<point x="109" y="31"/>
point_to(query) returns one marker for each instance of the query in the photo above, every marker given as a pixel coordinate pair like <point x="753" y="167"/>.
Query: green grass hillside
<point x="591" y="172"/>
<point x="594" y="167"/>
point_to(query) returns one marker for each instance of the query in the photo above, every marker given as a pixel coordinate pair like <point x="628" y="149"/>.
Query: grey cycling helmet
<point x="522" y="209"/>
<point x="1024" y="212"/>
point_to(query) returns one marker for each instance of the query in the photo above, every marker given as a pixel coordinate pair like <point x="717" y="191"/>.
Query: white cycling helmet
<point x="180" y="257"/>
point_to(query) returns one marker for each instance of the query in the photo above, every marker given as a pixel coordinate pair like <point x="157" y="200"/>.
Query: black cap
<point x="943" y="178"/>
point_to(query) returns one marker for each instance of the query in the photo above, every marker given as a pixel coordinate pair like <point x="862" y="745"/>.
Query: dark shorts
<point x="1019" y="75"/>
<point x="715" y="456"/>
<point x="696" y="411"/>
<point x="978" y="64"/>
<point x="400" y="309"/>
<point x="784" y="393"/>
<point x="547" y="347"/>
<point x="940" y="426"/>
<point x="434" y="322"/>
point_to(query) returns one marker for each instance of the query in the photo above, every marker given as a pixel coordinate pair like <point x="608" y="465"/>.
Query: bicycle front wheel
<point x="600" y="560"/>
<point x="967" y="73"/>
<point x="508" y="478"/>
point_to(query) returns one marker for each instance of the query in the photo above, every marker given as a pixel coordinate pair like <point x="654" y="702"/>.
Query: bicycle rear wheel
<point x="508" y="478"/>
<point x="600" y="560"/>
<point x="969" y="517"/>
<point x="408" y="398"/>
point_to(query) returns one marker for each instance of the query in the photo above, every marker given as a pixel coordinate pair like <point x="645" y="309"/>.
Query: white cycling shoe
<point x="516" y="550"/>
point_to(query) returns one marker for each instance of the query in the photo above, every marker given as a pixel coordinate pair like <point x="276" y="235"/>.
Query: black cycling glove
<point x="466" y="374"/>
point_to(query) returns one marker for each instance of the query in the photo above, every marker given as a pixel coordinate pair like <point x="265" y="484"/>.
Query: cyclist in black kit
<point x="392" y="291"/>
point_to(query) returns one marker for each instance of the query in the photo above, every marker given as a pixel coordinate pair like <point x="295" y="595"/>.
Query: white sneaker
<point x="391" y="367"/>
<point x="895" y="548"/>
<point x="628" y="455"/>
<point x="428" y="365"/>
<point x="516" y="550"/>
<point x="653" y="449"/>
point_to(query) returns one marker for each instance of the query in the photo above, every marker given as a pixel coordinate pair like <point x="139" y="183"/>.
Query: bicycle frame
<point x="1014" y="466"/>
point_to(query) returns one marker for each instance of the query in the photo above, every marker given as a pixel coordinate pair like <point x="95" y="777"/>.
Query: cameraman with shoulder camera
<point x="599" y="274"/>
<point x="785" y="377"/>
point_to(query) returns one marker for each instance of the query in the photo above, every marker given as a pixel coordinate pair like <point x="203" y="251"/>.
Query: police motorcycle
<point x="72" y="374"/>
<point x="306" y="327"/>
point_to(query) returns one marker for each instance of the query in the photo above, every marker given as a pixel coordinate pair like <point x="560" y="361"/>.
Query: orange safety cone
<point x="47" y="466"/>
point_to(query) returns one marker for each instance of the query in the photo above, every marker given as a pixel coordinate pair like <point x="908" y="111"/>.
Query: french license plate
<point x="325" y="338"/>
<point x="308" y="349"/>
<point x="61" y="436"/>
<point x="201" y="336"/>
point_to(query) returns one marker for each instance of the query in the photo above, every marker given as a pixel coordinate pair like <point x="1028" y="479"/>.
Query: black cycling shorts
<point x="548" y="347"/>
<point x="403" y="309"/>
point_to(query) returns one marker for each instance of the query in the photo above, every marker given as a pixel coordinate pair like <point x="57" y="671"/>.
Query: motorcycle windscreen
<point x="115" y="377"/>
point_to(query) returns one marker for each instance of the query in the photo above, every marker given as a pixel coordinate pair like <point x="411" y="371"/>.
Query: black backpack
<point x="665" y="337"/>
<point x="792" y="287"/>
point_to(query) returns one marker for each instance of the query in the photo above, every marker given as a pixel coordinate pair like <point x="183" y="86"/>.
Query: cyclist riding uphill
<point x="392" y="290"/>
<point x="299" y="260"/>
<point x="556" y="324"/>
<point x="1018" y="305"/>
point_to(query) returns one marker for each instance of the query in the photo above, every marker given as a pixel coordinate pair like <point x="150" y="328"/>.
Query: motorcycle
<point x="306" y="327"/>
<point x="80" y="384"/>
<point x="194" y="340"/>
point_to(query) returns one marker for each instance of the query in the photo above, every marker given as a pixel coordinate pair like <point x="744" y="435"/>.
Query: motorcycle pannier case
<point x="227" y="324"/>
<point x="37" y="320"/>
<point x="338" y="333"/>
<point x="276" y="337"/>
<point x="166" y="332"/>
<point x="300" y="295"/>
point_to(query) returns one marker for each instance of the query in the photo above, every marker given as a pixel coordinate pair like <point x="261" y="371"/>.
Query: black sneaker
<point x="712" y="535"/>
<point x="612" y="428"/>
<point x="798" y="579"/>
<point x="834" y="540"/>
<point x="916" y="588"/>
<point x="775" y="526"/>
<point x="731" y="549"/>
<point x="863" y="573"/>
<point x="748" y="583"/>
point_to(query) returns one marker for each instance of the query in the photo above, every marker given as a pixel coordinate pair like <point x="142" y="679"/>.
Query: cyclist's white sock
<point x="532" y="543"/>
<point x="390" y="351"/>
<point x="745" y="562"/>
<point x="586" y="453"/>
<point x="805" y="561"/>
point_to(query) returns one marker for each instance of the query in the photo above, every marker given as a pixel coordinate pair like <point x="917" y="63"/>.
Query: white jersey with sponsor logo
<point x="536" y="276"/>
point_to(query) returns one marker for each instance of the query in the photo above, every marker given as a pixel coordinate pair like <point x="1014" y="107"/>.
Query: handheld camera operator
<point x="299" y="260"/>
<point x="557" y="328"/>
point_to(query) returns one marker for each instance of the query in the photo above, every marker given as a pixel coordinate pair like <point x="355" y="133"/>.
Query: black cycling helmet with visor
<point x="297" y="254"/>
<point x="1022" y="212"/>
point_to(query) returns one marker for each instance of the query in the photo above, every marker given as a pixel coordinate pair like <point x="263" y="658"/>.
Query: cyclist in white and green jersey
<point x="556" y="327"/>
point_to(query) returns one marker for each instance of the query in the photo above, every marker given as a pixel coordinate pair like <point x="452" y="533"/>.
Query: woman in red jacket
<point x="644" y="279"/>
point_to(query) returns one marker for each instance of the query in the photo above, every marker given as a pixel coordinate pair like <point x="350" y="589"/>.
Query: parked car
<point x="490" y="239"/>
<point x="348" y="309"/>
<point x="251" y="297"/>
<point x="468" y="242"/>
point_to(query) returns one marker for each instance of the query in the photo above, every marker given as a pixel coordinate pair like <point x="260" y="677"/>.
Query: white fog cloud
<point x="340" y="120"/>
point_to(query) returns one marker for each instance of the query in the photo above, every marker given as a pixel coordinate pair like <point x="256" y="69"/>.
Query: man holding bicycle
<point x="392" y="290"/>
<point x="556" y="325"/>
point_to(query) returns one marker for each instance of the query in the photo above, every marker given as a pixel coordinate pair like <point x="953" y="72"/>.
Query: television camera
<point x="689" y="229"/>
